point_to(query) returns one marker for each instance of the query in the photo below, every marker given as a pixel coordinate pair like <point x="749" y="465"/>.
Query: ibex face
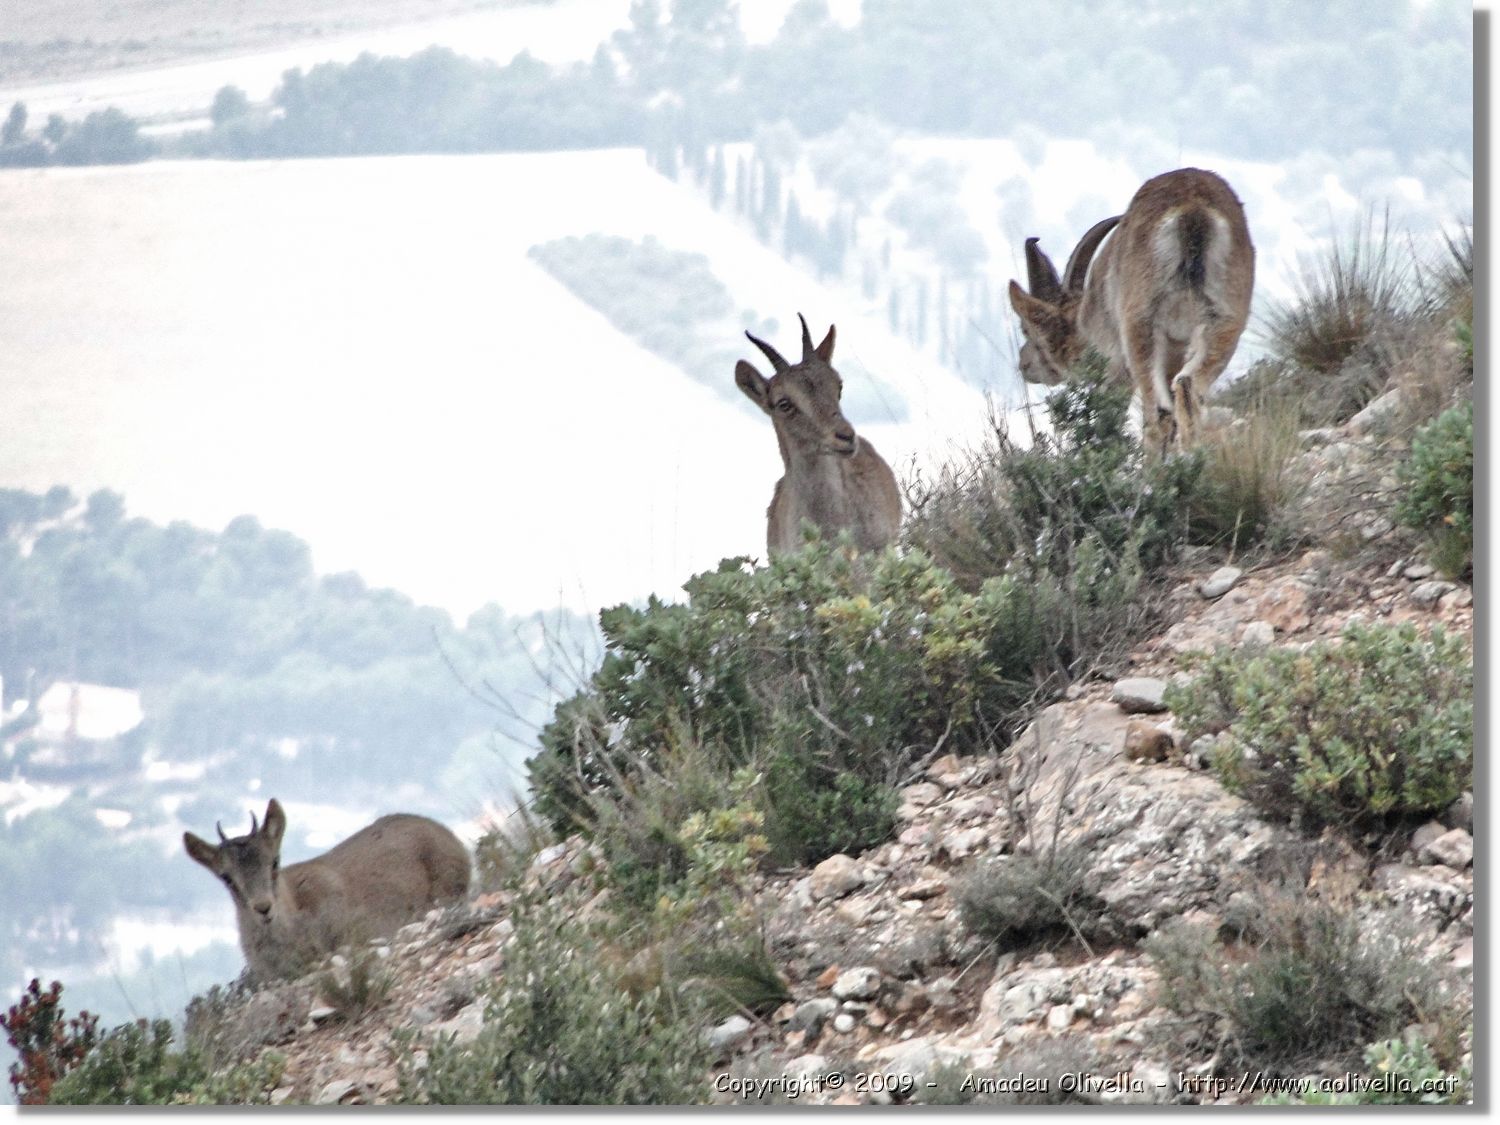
<point x="802" y="399"/>
<point x="248" y="865"/>
<point x="1165" y="299"/>
<point x="833" y="479"/>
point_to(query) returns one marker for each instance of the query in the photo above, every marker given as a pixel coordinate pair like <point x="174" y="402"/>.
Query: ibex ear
<point x="824" y="351"/>
<point x="757" y="387"/>
<point x="275" y="824"/>
<point x="1029" y="308"/>
<point x="202" y="851"/>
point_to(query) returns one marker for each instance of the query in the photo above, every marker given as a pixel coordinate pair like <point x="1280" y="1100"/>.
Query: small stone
<point x="921" y="794"/>
<point x="1147" y="742"/>
<point x="1286" y="607"/>
<point x="730" y="1034"/>
<point x="1426" y="594"/>
<point x="1220" y="582"/>
<point x="828" y="976"/>
<point x="963" y="842"/>
<point x="835" y="877"/>
<point x="334" y="1092"/>
<point x="1460" y="814"/>
<point x="844" y="1023"/>
<point x="1139" y="694"/>
<point x="810" y="1014"/>
<point x="1454" y="849"/>
<point x="548" y="856"/>
<point x="1060" y="1018"/>
<point x="1426" y="835"/>
<point x="1416" y="571"/>
<point x="322" y="1014"/>
<point x="280" y="1095"/>
<point x="862" y="983"/>
<point x="466" y="1025"/>
<point x="926" y="888"/>
<point x="1258" y="634"/>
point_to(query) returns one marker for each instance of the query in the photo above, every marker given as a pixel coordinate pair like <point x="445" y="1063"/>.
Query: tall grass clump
<point x="1247" y="491"/>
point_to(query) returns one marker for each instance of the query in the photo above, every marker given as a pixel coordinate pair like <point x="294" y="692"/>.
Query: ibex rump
<point x="834" y="478"/>
<point x="371" y="884"/>
<point x="1165" y="300"/>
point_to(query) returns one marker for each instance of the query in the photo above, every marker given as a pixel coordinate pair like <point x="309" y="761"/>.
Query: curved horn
<point x="1041" y="274"/>
<point x="254" y="828"/>
<point x="223" y="839"/>
<point x="807" y="344"/>
<point x="771" y="353"/>
<point x="1083" y="253"/>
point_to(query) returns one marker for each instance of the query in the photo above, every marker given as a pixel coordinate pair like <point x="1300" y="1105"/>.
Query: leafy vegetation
<point x="562" y="1028"/>
<point x="1439" y="488"/>
<point x="1016" y="898"/>
<point x="47" y="1044"/>
<point x="135" y="1065"/>
<point x="1309" y="981"/>
<point x="1377" y="725"/>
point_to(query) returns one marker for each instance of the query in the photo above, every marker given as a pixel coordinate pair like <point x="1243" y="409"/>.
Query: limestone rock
<point x="1453" y="849"/>
<point x="835" y="877"/>
<point x="1140" y="694"/>
<point x="861" y="983"/>
<point x="1220" y="582"/>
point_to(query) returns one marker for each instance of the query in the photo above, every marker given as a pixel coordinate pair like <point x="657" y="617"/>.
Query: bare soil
<point x="42" y="40"/>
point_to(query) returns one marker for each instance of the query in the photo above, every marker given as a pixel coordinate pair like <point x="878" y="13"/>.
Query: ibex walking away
<point x="833" y="477"/>
<point x="371" y="884"/>
<point x="1165" y="300"/>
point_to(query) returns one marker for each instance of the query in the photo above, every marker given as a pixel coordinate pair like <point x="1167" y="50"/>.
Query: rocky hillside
<point x="888" y="984"/>
<point x="1125" y="781"/>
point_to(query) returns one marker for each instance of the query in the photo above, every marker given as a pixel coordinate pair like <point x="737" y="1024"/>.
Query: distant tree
<point x="109" y="136"/>
<point x="14" y="129"/>
<point x="55" y="129"/>
<point x="716" y="179"/>
<point x="230" y="104"/>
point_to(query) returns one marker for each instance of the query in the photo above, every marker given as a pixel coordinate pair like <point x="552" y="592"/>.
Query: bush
<point x="361" y="987"/>
<point x="1314" y="982"/>
<point x="47" y="1044"/>
<point x="1376" y="725"/>
<point x="135" y="1065"/>
<point x="1016" y="898"/>
<point x="1439" y="484"/>
<point x="560" y="1029"/>
<point x="855" y="666"/>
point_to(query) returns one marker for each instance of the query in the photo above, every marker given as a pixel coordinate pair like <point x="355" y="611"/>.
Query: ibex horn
<point x="771" y="353"/>
<point x="254" y="827"/>
<point x="223" y="839"/>
<point x="1041" y="274"/>
<point x="1083" y="253"/>
<point x="807" y="344"/>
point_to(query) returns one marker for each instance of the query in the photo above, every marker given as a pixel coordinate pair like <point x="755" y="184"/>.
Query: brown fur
<point x="1165" y="300"/>
<point x="385" y="875"/>
<point x="833" y="478"/>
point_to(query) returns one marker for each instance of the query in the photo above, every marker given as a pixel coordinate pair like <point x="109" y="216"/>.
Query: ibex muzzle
<point x="376" y="881"/>
<point x="834" y="478"/>
<point x="1164" y="300"/>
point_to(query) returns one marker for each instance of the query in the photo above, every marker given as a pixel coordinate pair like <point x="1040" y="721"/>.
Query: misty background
<point x="354" y="356"/>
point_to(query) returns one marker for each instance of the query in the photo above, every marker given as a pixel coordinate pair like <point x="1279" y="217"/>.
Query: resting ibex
<point x="371" y="884"/>
<point x="833" y="477"/>
<point x="1165" y="300"/>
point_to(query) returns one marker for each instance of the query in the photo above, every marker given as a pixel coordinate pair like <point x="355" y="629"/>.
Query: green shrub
<point x="1016" y="898"/>
<point x="856" y="665"/>
<point x="1397" y="1072"/>
<point x="1376" y="725"/>
<point x="815" y="813"/>
<point x="1439" y="487"/>
<point x="560" y="1029"/>
<point x="135" y="1065"/>
<point x="1313" y="982"/>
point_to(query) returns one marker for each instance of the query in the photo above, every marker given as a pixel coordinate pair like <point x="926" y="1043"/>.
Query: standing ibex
<point x="371" y="884"/>
<point x="1165" y="300"/>
<point x="833" y="477"/>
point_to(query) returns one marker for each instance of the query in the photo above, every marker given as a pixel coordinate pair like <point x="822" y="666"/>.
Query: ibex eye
<point x="785" y="406"/>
